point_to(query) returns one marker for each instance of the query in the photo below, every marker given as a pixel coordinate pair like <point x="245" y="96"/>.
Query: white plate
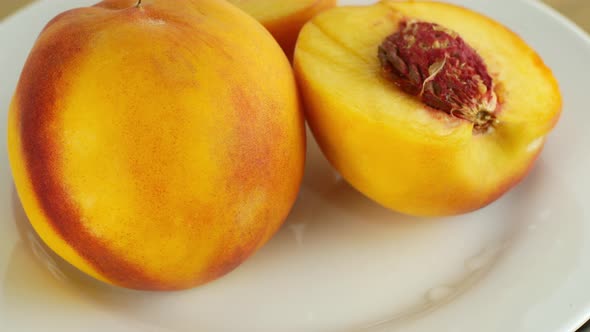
<point x="342" y="263"/>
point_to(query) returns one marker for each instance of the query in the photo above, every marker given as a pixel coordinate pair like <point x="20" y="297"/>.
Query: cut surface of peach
<point x="283" y="18"/>
<point x="394" y="148"/>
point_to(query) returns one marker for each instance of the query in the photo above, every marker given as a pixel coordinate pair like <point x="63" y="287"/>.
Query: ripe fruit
<point x="427" y="108"/>
<point x="284" y="18"/>
<point x="152" y="146"/>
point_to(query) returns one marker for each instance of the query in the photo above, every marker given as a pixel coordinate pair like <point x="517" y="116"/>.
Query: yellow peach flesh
<point x="393" y="148"/>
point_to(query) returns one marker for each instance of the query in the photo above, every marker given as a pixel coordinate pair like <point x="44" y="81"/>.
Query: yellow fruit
<point x="394" y="147"/>
<point x="284" y="18"/>
<point x="152" y="145"/>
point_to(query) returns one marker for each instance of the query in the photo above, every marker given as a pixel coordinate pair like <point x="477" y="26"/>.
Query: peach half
<point x="284" y="18"/>
<point x="152" y="146"/>
<point x="427" y="108"/>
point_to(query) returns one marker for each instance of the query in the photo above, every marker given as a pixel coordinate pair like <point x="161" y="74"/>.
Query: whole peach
<point x="152" y="146"/>
<point x="284" y="18"/>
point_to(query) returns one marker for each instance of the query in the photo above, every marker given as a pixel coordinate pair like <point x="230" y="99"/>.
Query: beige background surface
<point x="576" y="10"/>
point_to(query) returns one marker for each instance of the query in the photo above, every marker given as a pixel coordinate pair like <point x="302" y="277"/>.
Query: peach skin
<point x="284" y="18"/>
<point x="427" y="108"/>
<point x="151" y="145"/>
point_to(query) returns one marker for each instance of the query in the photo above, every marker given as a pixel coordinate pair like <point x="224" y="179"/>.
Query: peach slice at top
<point x="284" y="18"/>
<point x="427" y="108"/>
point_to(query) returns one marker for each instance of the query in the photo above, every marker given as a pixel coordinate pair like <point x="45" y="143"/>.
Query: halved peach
<point x="397" y="127"/>
<point x="283" y="18"/>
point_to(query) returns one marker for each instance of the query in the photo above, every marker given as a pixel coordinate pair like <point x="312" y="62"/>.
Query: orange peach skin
<point x="284" y="18"/>
<point x="154" y="147"/>
<point x="391" y="147"/>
